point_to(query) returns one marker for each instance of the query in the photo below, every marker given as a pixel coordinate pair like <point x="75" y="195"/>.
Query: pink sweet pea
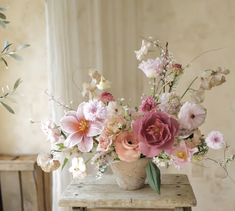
<point x="81" y="131"/>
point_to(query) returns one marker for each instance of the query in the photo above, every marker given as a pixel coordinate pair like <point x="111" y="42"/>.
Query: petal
<point x="73" y="139"/>
<point x="79" y="112"/>
<point x="149" y="151"/>
<point x="86" y="144"/>
<point x="95" y="129"/>
<point x="69" y="124"/>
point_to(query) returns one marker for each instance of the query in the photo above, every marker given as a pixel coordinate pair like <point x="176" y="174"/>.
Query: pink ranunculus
<point x="156" y="132"/>
<point x="106" y="97"/>
<point x="81" y="131"/>
<point x="148" y="104"/>
<point x="182" y="154"/>
<point x="127" y="146"/>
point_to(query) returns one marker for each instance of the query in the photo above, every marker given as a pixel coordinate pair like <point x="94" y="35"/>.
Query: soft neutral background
<point x="104" y="34"/>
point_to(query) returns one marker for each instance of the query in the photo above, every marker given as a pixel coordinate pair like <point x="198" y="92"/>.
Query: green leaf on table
<point x="64" y="163"/>
<point x="153" y="176"/>
<point x="7" y="107"/>
<point x="17" y="83"/>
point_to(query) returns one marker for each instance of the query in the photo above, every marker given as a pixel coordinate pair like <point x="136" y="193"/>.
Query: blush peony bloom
<point x="152" y="67"/>
<point x="182" y="154"/>
<point x="127" y="146"/>
<point x="215" y="140"/>
<point x="80" y="129"/>
<point x="106" y="97"/>
<point x="191" y="115"/>
<point x="148" y="104"/>
<point x="156" y="131"/>
<point x="94" y="110"/>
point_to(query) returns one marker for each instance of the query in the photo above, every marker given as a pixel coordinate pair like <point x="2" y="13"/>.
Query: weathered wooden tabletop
<point x="176" y="191"/>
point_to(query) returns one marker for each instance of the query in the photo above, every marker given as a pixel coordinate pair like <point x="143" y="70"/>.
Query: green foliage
<point x="64" y="163"/>
<point x="153" y="176"/>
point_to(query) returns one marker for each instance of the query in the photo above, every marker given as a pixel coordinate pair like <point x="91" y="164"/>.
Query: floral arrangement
<point x="163" y="128"/>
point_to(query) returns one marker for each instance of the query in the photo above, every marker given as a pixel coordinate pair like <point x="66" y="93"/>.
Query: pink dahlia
<point x="81" y="131"/>
<point x="156" y="132"/>
<point x="148" y="104"/>
<point x="191" y="115"/>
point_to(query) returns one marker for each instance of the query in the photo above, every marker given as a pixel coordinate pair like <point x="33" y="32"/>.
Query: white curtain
<point x="85" y="34"/>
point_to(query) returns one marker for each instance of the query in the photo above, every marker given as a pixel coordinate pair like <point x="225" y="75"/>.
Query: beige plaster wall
<point x="17" y="134"/>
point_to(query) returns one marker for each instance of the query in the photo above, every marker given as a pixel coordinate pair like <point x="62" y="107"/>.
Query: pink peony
<point x="94" y="110"/>
<point x="191" y="115"/>
<point x="215" y="140"/>
<point x="152" y="67"/>
<point x="127" y="146"/>
<point x="182" y="154"/>
<point x="156" y="131"/>
<point x="148" y="104"/>
<point x="106" y="97"/>
<point x="81" y="131"/>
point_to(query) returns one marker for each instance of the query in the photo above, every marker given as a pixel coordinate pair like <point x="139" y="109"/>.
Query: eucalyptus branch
<point x="189" y="87"/>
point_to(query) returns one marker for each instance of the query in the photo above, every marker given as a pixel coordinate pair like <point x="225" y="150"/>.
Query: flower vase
<point x="130" y="175"/>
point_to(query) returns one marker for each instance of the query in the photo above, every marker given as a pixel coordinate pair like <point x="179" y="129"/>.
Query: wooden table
<point x="105" y="195"/>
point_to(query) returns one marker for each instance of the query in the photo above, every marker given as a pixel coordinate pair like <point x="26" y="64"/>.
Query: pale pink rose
<point x="106" y="97"/>
<point x="191" y="116"/>
<point x="52" y="131"/>
<point x="81" y="131"/>
<point x="94" y="110"/>
<point x="152" y="67"/>
<point x="127" y="146"/>
<point x="104" y="143"/>
<point x="182" y="154"/>
<point x="156" y="132"/>
<point x="215" y="140"/>
<point x="148" y="104"/>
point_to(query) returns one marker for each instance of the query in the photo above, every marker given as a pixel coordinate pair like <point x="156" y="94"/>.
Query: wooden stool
<point x="105" y="195"/>
<point x="24" y="186"/>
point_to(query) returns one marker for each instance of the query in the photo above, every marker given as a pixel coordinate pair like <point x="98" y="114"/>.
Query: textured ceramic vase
<point x="130" y="176"/>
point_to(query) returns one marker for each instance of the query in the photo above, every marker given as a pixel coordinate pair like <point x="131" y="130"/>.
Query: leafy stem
<point x="189" y="87"/>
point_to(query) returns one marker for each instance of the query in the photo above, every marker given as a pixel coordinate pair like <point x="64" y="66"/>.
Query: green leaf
<point x="7" y="107"/>
<point x="15" y="56"/>
<point x="153" y="176"/>
<point x="17" y="83"/>
<point x="2" y="16"/>
<point x="64" y="163"/>
<point x="60" y="146"/>
<point x="22" y="46"/>
<point x="5" y="62"/>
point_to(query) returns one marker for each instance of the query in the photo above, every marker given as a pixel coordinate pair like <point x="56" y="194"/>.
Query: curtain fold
<point x="84" y="34"/>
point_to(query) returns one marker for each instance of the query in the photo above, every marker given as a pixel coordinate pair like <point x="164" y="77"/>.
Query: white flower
<point x="170" y="103"/>
<point x="94" y="110"/>
<point x="215" y="140"/>
<point x="143" y="50"/>
<point x="191" y="115"/>
<point x="47" y="162"/>
<point x="78" y="168"/>
<point x="152" y="67"/>
<point x="51" y="130"/>
<point x="103" y="84"/>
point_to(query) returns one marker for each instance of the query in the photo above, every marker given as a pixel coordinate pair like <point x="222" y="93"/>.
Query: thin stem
<point x="154" y="87"/>
<point x="189" y="87"/>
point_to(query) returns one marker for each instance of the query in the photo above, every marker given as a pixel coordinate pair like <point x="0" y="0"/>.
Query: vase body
<point x="130" y="175"/>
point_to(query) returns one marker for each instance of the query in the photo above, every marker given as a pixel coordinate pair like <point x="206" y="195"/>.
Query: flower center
<point x="83" y="126"/>
<point x="181" y="155"/>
